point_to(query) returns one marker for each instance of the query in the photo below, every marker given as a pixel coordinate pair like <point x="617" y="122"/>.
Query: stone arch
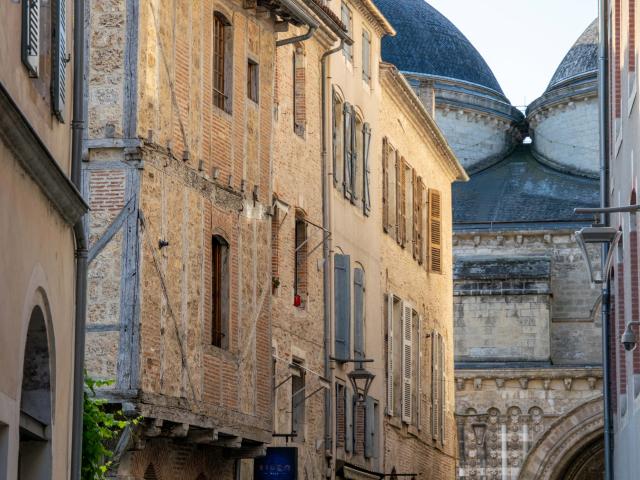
<point x="559" y="446"/>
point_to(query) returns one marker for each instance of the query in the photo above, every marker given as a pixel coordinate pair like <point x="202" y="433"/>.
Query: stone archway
<point x="560" y="451"/>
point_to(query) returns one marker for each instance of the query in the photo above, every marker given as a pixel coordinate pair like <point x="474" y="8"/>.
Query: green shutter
<point x="342" y="294"/>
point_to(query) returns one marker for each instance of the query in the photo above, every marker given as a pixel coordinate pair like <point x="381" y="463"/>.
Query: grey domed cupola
<point x="453" y="81"/>
<point x="564" y="120"/>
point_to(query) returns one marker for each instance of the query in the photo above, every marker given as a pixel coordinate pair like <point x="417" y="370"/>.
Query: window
<point x="438" y="385"/>
<point x="31" y="36"/>
<point x="252" y="80"/>
<point x="297" y="400"/>
<point x="222" y="56"/>
<point x="59" y="59"/>
<point x="299" y="100"/>
<point x="357" y="162"/>
<point x="275" y="249"/>
<point x="338" y="140"/>
<point x="388" y="188"/>
<point x="347" y="19"/>
<point x="300" y="261"/>
<point x="366" y="56"/>
<point x="366" y="170"/>
<point x="341" y="410"/>
<point x="409" y="178"/>
<point x="435" y="231"/>
<point x="349" y="149"/>
<point x="633" y="54"/>
<point x="342" y="303"/>
<point x="220" y="292"/>
<point x="359" y="312"/>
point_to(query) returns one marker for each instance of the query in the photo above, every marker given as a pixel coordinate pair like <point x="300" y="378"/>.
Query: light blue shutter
<point x="342" y="293"/>
<point x="358" y="301"/>
<point x="348" y="413"/>
<point x="347" y="114"/>
<point x="31" y="36"/>
<point x="366" y="194"/>
<point x="59" y="59"/>
<point x="369" y="428"/>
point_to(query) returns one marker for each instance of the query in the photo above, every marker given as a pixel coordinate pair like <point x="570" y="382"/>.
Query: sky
<point x="523" y="41"/>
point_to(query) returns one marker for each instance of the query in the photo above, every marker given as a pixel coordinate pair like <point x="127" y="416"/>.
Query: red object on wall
<point x="297" y="300"/>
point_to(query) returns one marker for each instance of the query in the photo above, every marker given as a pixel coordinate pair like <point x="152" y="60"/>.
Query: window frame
<point x="253" y="80"/>
<point x="221" y="62"/>
<point x="220" y="283"/>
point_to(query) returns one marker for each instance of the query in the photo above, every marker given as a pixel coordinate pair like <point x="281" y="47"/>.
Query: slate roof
<point x="519" y="192"/>
<point x="427" y="42"/>
<point x="582" y="57"/>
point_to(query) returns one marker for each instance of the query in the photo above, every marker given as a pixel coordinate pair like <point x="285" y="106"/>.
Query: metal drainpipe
<point x="326" y="254"/>
<point x="603" y="89"/>
<point x="299" y="38"/>
<point x="77" y="129"/>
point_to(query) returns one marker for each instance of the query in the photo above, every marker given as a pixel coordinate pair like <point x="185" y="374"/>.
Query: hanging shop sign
<point x="281" y="463"/>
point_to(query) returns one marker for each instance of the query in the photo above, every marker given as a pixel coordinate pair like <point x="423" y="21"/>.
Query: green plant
<point x="100" y="427"/>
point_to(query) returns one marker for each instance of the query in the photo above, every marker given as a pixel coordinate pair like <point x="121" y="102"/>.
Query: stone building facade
<point x="39" y="205"/>
<point x="528" y="372"/>
<point x="179" y="177"/>
<point x="622" y="143"/>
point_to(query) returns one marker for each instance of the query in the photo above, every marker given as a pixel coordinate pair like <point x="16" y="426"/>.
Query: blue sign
<point x="281" y="463"/>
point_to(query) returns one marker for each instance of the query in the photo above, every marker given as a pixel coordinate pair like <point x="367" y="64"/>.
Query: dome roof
<point x="581" y="59"/>
<point x="426" y="42"/>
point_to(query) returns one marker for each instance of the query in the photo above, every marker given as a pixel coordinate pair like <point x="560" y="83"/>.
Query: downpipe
<point x="81" y="254"/>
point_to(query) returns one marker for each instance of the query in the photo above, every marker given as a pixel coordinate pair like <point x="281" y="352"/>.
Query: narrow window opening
<point x="220" y="292"/>
<point x="300" y="262"/>
<point x="347" y="20"/>
<point x="298" y="394"/>
<point x="253" y="80"/>
<point x="222" y="56"/>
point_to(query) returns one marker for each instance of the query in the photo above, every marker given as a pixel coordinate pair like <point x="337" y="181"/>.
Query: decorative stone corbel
<point x="592" y="383"/>
<point x="546" y="384"/>
<point x="460" y="384"/>
<point x="477" y="383"/>
<point x="567" y="383"/>
<point x="500" y="382"/>
<point x="524" y="383"/>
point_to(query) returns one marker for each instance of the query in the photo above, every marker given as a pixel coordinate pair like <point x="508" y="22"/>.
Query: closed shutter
<point x="403" y="202"/>
<point x="390" y="354"/>
<point x="340" y="415"/>
<point x="435" y="230"/>
<point x="31" y="36"/>
<point x="366" y="171"/>
<point x="335" y="118"/>
<point x="354" y="157"/>
<point x="346" y="183"/>
<point x="435" y="389"/>
<point x="443" y="381"/>
<point x="385" y="184"/>
<point x="398" y="198"/>
<point x="407" y="366"/>
<point x="358" y="310"/>
<point x="421" y="223"/>
<point x="419" y="376"/>
<point x="342" y="306"/>
<point x="415" y="207"/>
<point x="59" y="59"/>
<point x="369" y="428"/>
<point x="349" y="407"/>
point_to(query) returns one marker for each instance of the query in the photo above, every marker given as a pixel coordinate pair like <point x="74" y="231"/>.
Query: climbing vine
<point x="99" y="429"/>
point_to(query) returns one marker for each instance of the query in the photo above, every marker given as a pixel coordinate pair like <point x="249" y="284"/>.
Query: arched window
<point x="220" y="292"/>
<point x="299" y="81"/>
<point x="222" y="61"/>
<point x="36" y="402"/>
<point x="301" y="249"/>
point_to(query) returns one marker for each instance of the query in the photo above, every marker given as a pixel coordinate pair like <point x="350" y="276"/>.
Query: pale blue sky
<point x="523" y="41"/>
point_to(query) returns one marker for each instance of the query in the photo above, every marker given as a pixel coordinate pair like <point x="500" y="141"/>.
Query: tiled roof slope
<point x="581" y="59"/>
<point x="427" y="42"/>
<point x="521" y="190"/>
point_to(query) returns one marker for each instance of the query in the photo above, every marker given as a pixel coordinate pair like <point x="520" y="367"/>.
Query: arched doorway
<point x="36" y="402"/>
<point x="587" y="464"/>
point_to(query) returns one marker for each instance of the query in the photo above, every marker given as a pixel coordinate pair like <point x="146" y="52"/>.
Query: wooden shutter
<point x="418" y="345"/>
<point x="342" y="287"/>
<point x="398" y="198"/>
<point x="366" y="171"/>
<point x="369" y="428"/>
<point x="403" y="202"/>
<point x="59" y="59"/>
<point x="435" y="386"/>
<point x="415" y="207"/>
<point x="385" y="184"/>
<point x="31" y="36"/>
<point x="421" y="222"/>
<point x="443" y="380"/>
<point x="390" y="354"/>
<point x="346" y="182"/>
<point x="435" y="230"/>
<point x="354" y="157"/>
<point x="407" y="366"/>
<point x="335" y="118"/>
<point x="348" y="410"/>
<point x="358" y="310"/>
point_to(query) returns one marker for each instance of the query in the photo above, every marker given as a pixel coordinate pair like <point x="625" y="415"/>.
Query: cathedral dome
<point x="581" y="60"/>
<point x="428" y="43"/>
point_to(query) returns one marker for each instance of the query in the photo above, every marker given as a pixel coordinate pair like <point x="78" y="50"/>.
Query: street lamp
<point x="361" y="380"/>
<point x="602" y="235"/>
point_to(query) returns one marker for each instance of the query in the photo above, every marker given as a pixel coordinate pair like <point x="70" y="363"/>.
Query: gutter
<point x="329" y="444"/>
<point x="603" y="89"/>
<point x="301" y="15"/>
<point x="77" y="129"/>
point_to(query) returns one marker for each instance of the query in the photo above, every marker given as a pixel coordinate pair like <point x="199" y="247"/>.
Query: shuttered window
<point x="347" y="20"/>
<point x="358" y="312"/>
<point x="342" y="288"/>
<point x="435" y="231"/>
<point x="442" y="386"/>
<point x="366" y="171"/>
<point x="337" y="139"/>
<point x="340" y="415"/>
<point x="221" y="62"/>
<point x="399" y="197"/>
<point x="349" y="407"/>
<point x="347" y="148"/>
<point x="59" y="59"/>
<point x="298" y="395"/>
<point x="370" y="431"/>
<point x="415" y="217"/>
<point x="385" y="184"/>
<point x="390" y="352"/>
<point x="366" y="56"/>
<point x="356" y="155"/>
<point x="407" y="363"/>
<point x="31" y="36"/>
<point x="403" y="202"/>
<point x="421" y="221"/>
<point x="435" y="386"/>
